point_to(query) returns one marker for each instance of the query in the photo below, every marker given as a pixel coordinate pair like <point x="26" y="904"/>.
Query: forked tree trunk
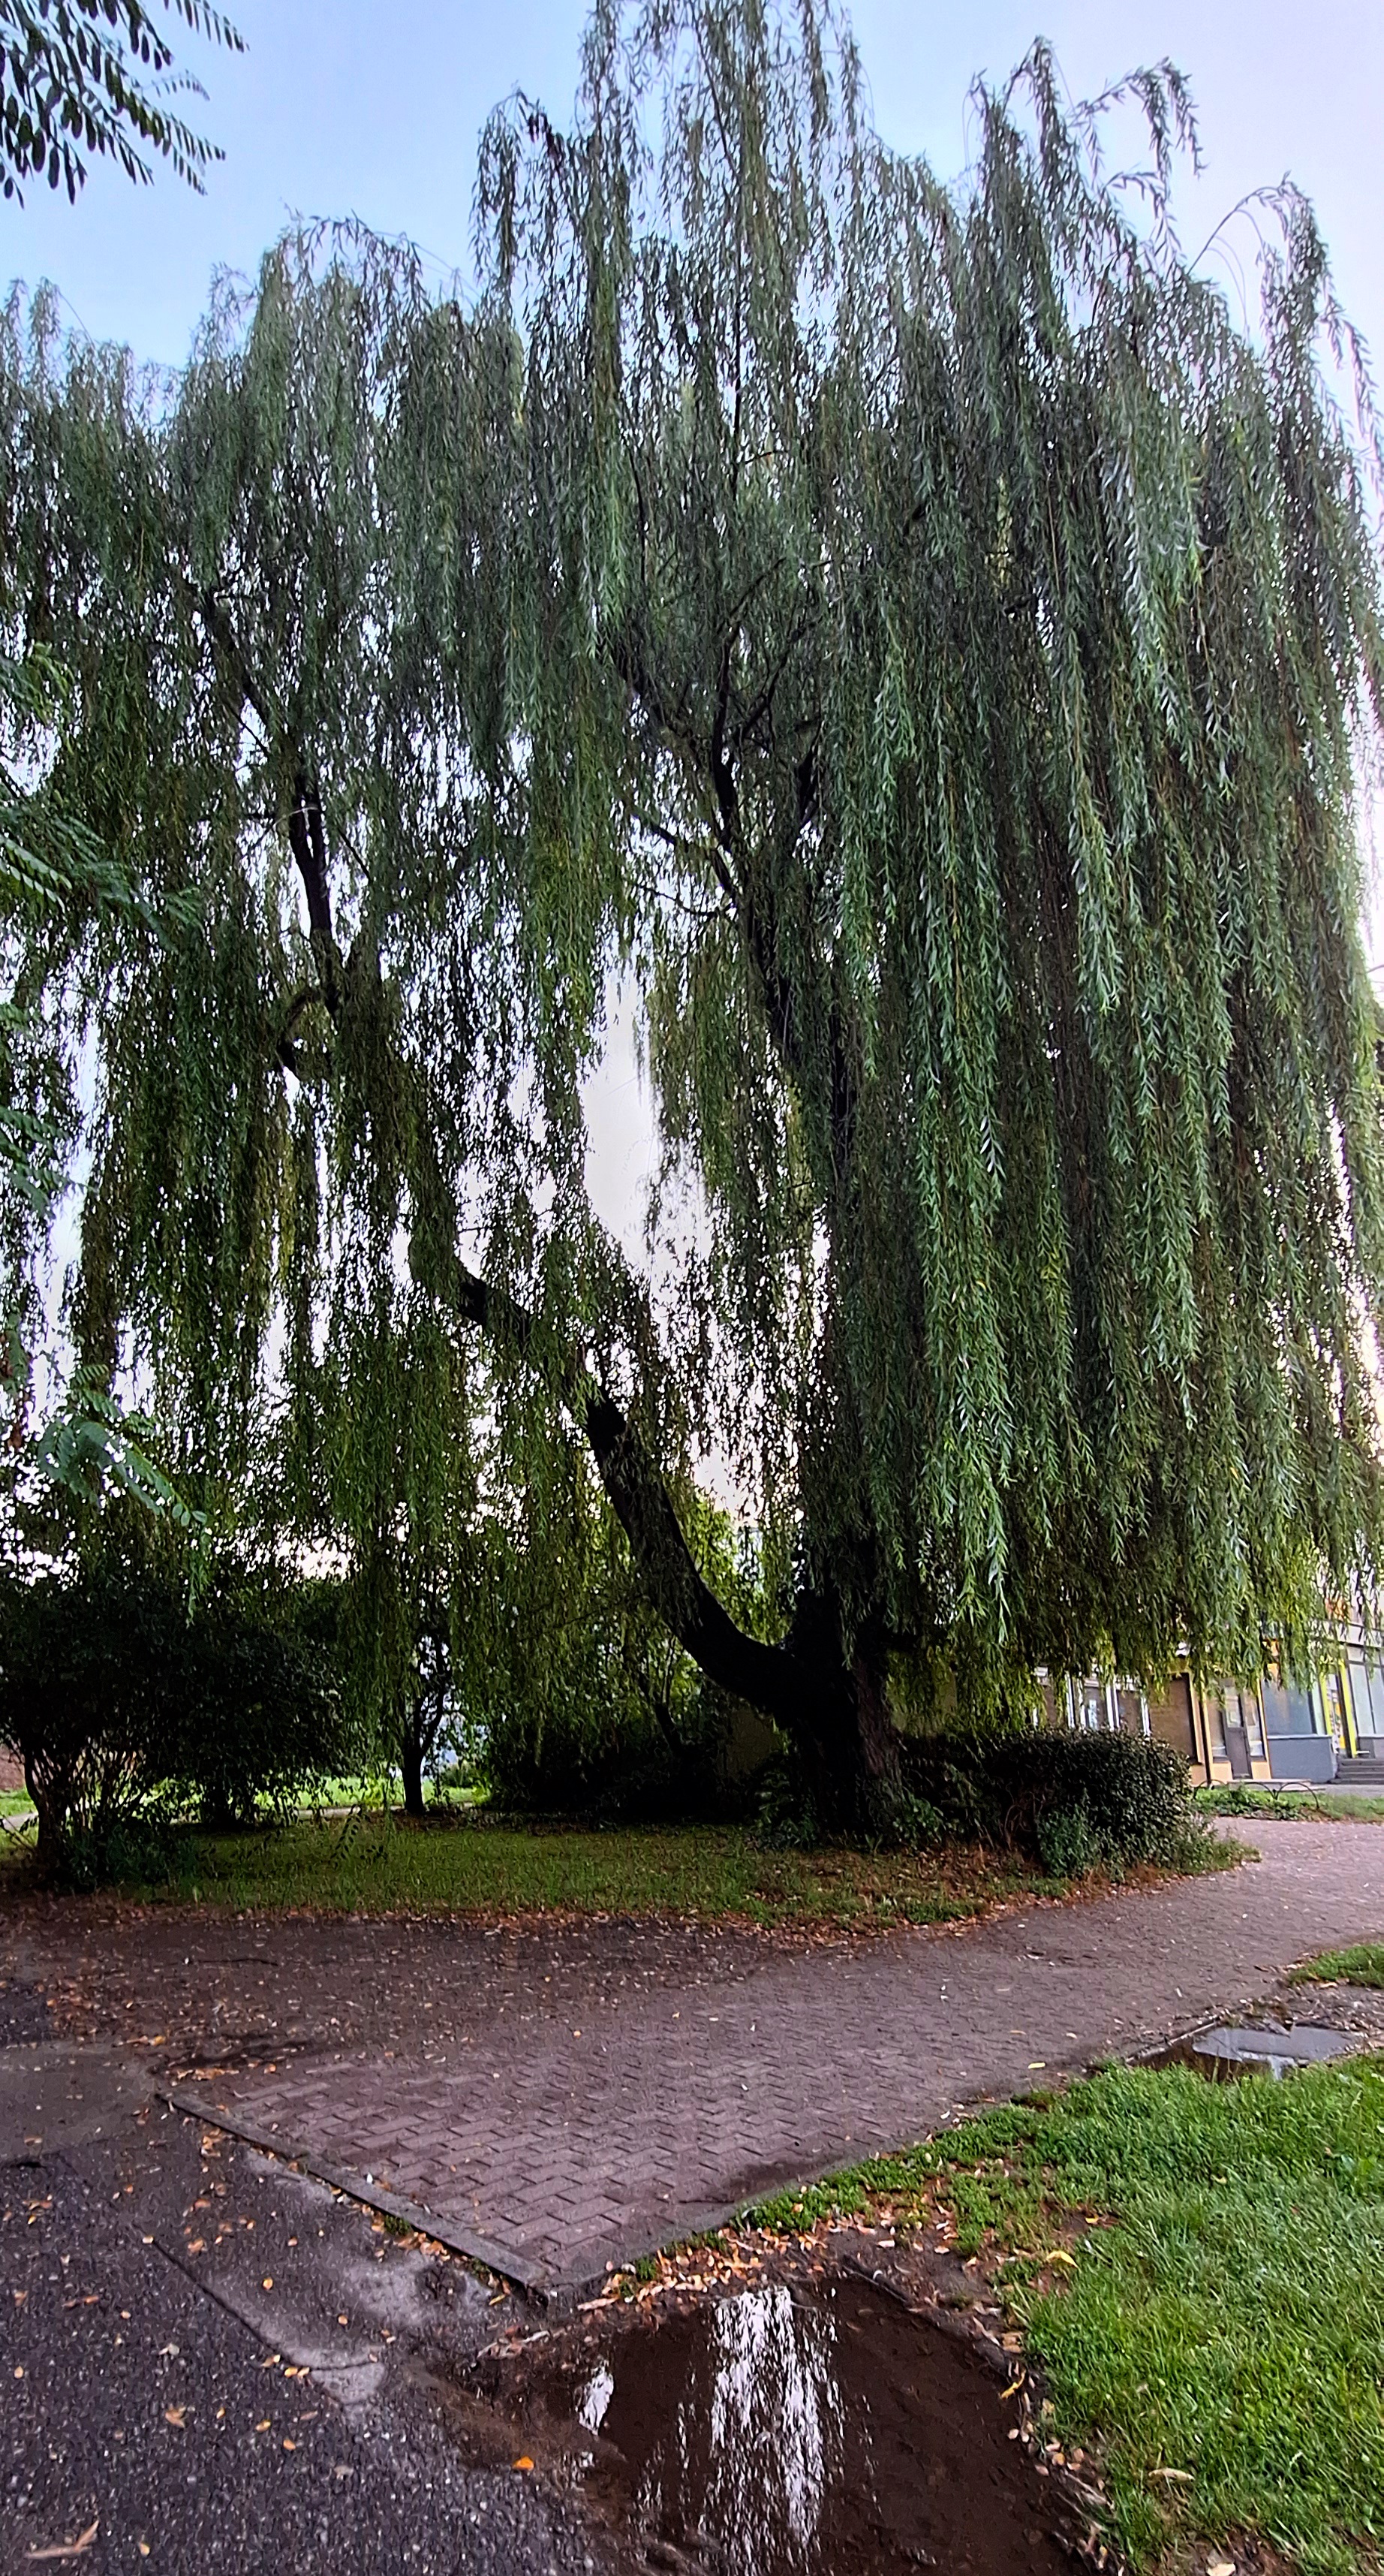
<point x="49" y="1800"/>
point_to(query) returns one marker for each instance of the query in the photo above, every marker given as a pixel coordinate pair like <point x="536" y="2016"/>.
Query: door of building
<point x="1237" y="1739"/>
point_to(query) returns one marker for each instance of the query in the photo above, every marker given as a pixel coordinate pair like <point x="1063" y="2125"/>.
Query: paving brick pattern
<point x="621" y="2105"/>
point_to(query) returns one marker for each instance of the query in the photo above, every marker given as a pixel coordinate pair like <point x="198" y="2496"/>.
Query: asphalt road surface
<point x="290" y="2416"/>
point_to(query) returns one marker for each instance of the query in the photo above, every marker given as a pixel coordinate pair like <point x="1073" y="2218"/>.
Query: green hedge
<point x="1069" y="1801"/>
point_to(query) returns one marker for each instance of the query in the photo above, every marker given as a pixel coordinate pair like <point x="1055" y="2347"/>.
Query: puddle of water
<point x="788" y="2432"/>
<point x="1230" y="2051"/>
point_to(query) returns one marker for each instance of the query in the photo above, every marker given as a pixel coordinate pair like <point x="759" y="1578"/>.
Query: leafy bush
<point x="612" y="1761"/>
<point x="577" y="1702"/>
<point x="147" y="1847"/>
<point x="791" y="1815"/>
<point x="1068" y="1801"/>
<point x="123" y="1707"/>
<point x="91" y="1680"/>
<point x="262" y="1716"/>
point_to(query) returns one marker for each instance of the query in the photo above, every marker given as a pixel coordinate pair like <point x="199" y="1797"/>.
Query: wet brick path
<point x="563" y="2096"/>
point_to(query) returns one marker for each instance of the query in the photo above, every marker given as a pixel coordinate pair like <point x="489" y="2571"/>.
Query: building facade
<point x="1268" y="1729"/>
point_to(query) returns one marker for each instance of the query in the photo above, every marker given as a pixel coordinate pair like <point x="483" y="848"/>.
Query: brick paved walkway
<point x="578" y="2100"/>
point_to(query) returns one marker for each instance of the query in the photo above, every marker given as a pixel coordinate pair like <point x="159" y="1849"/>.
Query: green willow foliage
<point x="51" y="874"/>
<point x="922" y="647"/>
<point x="97" y="75"/>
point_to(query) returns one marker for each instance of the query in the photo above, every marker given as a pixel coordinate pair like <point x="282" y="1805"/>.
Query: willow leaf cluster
<point x="96" y="76"/>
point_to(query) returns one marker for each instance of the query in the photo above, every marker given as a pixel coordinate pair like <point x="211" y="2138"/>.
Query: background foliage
<point x="123" y="1702"/>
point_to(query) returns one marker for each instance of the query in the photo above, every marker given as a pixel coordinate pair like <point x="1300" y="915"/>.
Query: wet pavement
<point x="210" y="2364"/>
<point x="558" y="2096"/>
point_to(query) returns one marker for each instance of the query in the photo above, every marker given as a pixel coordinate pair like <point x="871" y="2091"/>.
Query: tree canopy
<point x="916" y="641"/>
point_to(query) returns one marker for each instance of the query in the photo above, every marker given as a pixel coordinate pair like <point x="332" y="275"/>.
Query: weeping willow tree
<point x="920" y="646"/>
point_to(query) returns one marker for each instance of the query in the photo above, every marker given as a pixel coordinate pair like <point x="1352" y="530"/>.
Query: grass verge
<point x="1242" y="1798"/>
<point x="471" y="1864"/>
<point x="1198" y="2269"/>
<point x="1361" y="1966"/>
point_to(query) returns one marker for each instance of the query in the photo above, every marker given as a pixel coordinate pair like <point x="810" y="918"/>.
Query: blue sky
<point x="372" y="107"/>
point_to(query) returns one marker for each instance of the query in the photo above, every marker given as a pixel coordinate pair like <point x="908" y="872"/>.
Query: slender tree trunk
<point x="411" y="1765"/>
<point x="48" y="1806"/>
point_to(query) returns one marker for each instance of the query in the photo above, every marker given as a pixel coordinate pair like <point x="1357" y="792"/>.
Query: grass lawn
<point x="1252" y="1798"/>
<point x="1198" y="2270"/>
<point x="1362" y="1966"/>
<point x="372" y="1865"/>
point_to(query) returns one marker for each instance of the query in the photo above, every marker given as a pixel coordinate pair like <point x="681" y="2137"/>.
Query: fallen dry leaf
<point x="70" y="2548"/>
<point x="174" y="2415"/>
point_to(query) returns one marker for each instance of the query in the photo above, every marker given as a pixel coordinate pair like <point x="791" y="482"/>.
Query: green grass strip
<point x="1287" y="1806"/>
<point x="1361" y="1966"/>
<point x="1224" y="2314"/>
<point x="370" y="1864"/>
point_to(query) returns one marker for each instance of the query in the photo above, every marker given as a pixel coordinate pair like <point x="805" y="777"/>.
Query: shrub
<point x="616" y="1764"/>
<point x="122" y="1706"/>
<point x="1067" y="1801"/>
<point x="262" y="1717"/>
<point x="92" y="1676"/>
